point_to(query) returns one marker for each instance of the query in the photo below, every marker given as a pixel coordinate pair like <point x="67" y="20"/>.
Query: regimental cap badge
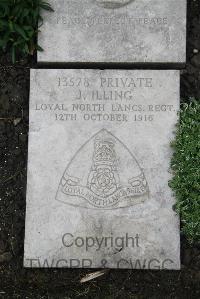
<point x="103" y="174"/>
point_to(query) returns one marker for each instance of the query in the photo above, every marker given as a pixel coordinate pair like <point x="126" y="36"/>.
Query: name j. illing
<point x="97" y="243"/>
<point x="112" y="95"/>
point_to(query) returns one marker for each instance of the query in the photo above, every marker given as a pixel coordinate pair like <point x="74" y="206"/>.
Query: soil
<point x="17" y="282"/>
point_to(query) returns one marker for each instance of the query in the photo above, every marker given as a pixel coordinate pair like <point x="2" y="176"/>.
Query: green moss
<point x="19" y="25"/>
<point x="186" y="170"/>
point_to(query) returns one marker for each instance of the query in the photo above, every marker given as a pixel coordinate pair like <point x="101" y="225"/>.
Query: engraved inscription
<point x="110" y="99"/>
<point x="103" y="174"/>
<point x="112" y="20"/>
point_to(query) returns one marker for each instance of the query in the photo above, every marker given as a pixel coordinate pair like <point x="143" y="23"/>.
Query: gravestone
<point x="98" y="169"/>
<point x="117" y="31"/>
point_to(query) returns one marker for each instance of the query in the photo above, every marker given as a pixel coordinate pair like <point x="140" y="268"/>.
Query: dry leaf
<point x="93" y="275"/>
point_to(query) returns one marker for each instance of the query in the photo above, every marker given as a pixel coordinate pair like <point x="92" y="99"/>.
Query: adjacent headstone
<point x="98" y="169"/>
<point x="117" y="31"/>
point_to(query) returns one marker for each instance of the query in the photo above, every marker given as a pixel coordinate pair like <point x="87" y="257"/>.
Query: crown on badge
<point x="104" y="152"/>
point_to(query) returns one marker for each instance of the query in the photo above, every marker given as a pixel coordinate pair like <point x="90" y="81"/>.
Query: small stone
<point x="16" y="121"/>
<point x="195" y="51"/>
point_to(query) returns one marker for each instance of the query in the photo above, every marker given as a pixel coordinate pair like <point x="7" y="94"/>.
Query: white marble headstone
<point x="117" y="31"/>
<point x="98" y="169"/>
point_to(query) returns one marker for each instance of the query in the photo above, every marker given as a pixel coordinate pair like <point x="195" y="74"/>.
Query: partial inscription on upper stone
<point x="98" y="169"/>
<point x="114" y="31"/>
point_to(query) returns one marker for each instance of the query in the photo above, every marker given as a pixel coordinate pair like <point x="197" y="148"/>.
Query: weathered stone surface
<point x="98" y="169"/>
<point x="129" y="31"/>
